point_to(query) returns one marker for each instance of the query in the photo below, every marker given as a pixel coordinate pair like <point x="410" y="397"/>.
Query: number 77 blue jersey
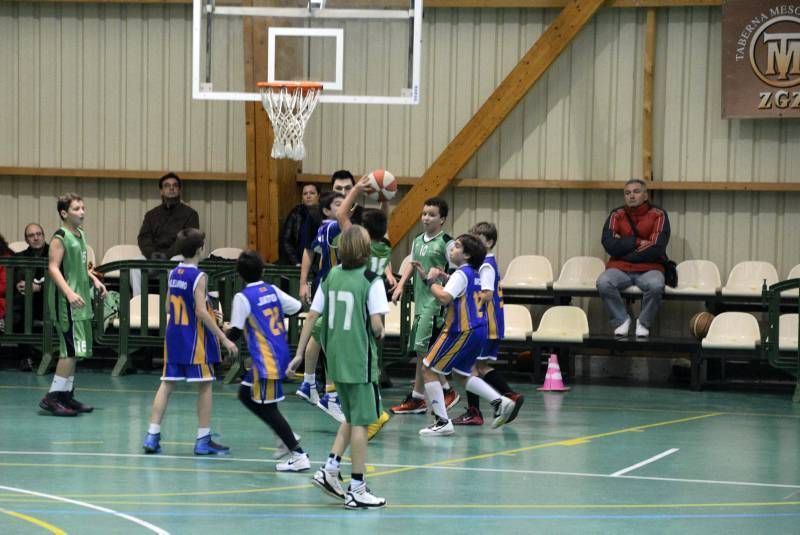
<point x="188" y="340"/>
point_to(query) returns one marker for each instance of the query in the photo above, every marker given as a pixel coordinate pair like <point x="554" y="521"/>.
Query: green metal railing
<point x="784" y="360"/>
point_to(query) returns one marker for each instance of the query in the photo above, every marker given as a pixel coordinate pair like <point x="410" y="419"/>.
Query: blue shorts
<point x="263" y="390"/>
<point x="490" y="349"/>
<point x="188" y="372"/>
<point x="456" y="351"/>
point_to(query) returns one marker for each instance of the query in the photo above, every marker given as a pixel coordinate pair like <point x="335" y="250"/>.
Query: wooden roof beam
<point x="496" y="108"/>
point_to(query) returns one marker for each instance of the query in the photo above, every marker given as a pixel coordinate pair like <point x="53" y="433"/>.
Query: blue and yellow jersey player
<point x="492" y="301"/>
<point x="191" y="345"/>
<point x="258" y="312"/>
<point x="462" y="337"/>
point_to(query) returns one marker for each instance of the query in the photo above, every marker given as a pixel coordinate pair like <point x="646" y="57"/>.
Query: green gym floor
<point x="598" y="459"/>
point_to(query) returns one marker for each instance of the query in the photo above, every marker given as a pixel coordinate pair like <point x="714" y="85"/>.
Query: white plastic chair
<point x="528" y="272"/>
<point x="562" y="324"/>
<point x="747" y="277"/>
<point x="120" y="252"/>
<point x="18" y="246"/>
<point x="228" y="253"/>
<point x="393" y="319"/>
<point x="733" y="330"/>
<point x="787" y="327"/>
<point x="793" y="274"/>
<point x="518" y="323"/>
<point x="135" y="312"/>
<point x="580" y="273"/>
<point x="697" y="277"/>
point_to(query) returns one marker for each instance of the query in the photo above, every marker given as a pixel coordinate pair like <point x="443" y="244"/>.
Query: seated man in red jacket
<point x="635" y="236"/>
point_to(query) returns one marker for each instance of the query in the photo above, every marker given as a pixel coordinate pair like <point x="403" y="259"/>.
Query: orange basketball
<point x="700" y="323"/>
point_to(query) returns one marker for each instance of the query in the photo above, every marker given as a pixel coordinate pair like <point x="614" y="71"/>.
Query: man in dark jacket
<point x="161" y="224"/>
<point x="635" y="236"/>
<point x="37" y="248"/>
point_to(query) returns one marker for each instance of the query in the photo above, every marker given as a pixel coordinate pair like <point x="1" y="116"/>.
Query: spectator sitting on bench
<point x="635" y="236"/>
<point x="161" y="224"/>
<point x="37" y="248"/>
<point x="4" y="251"/>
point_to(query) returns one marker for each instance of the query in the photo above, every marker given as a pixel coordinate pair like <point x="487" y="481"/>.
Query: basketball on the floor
<point x="700" y="324"/>
<point x="383" y="185"/>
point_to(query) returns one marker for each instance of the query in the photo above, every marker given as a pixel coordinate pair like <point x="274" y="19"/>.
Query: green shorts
<point x="425" y="322"/>
<point x="361" y="402"/>
<point x="76" y="341"/>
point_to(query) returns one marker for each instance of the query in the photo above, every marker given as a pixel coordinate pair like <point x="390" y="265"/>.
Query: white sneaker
<point x="439" y="428"/>
<point x="503" y="411"/>
<point x="282" y="450"/>
<point x="623" y="329"/>
<point x="329" y="482"/>
<point x="641" y="330"/>
<point x="362" y="498"/>
<point x="330" y="404"/>
<point x="298" y="462"/>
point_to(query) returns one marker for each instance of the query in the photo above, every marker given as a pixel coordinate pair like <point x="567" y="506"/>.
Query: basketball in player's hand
<point x="382" y="184"/>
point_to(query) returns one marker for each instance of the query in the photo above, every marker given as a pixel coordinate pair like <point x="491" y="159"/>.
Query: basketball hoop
<point x="289" y="105"/>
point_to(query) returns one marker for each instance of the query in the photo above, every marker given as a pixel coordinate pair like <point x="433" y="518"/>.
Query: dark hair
<point x="473" y="247"/>
<point x="327" y="198"/>
<point x="440" y="203"/>
<point x="250" y="266"/>
<point x="169" y="175"/>
<point x="312" y="184"/>
<point x="65" y="201"/>
<point x="342" y="173"/>
<point x="5" y="250"/>
<point x="354" y="247"/>
<point x="189" y="241"/>
<point x="375" y="222"/>
<point x="487" y="230"/>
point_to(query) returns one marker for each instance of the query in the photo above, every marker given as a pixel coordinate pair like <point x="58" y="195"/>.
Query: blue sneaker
<point x="308" y="392"/>
<point x="330" y="404"/>
<point x="206" y="446"/>
<point x="152" y="443"/>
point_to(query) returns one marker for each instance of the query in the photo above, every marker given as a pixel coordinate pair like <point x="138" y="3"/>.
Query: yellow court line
<point x="569" y="442"/>
<point x="133" y="468"/>
<point x="41" y="523"/>
<point x="484" y="506"/>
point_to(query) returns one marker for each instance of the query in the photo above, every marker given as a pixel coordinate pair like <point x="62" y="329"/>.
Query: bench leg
<point x="121" y="366"/>
<point x="796" y="398"/>
<point x="697" y="362"/>
<point x="233" y="372"/>
<point x="45" y="364"/>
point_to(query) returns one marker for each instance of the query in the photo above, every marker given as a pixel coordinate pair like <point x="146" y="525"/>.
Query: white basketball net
<point x="288" y="109"/>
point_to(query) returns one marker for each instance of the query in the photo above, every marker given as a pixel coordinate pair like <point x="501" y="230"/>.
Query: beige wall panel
<point x="115" y="208"/>
<point x="107" y="86"/>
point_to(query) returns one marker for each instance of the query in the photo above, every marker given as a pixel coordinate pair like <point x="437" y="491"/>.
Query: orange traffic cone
<point x="553" y="381"/>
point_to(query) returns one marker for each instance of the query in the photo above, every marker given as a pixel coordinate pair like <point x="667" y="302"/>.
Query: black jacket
<point x="297" y="233"/>
<point x="161" y="226"/>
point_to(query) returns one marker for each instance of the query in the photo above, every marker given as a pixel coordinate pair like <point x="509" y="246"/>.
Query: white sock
<point x="310" y="378"/>
<point x="70" y="383"/>
<point x="479" y="387"/>
<point x="436" y="399"/>
<point x="59" y="384"/>
<point x="203" y="431"/>
<point x="355" y="484"/>
<point x="154" y="429"/>
<point x="446" y="385"/>
<point x="332" y="465"/>
<point x="417" y="395"/>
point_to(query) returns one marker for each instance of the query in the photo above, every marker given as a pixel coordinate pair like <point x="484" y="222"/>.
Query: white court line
<point x="645" y="462"/>
<point x="420" y="467"/>
<point x="151" y="527"/>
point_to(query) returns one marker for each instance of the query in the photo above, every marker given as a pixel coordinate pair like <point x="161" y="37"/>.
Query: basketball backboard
<point x="362" y="51"/>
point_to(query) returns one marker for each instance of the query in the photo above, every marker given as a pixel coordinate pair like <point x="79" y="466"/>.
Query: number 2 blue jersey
<point x="323" y="244"/>
<point x="266" y="334"/>
<point x="187" y="341"/>
<point x="463" y="313"/>
<point x="493" y="310"/>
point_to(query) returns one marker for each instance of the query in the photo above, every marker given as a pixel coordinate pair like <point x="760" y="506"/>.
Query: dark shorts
<point x="455" y="351"/>
<point x="192" y="373"/>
